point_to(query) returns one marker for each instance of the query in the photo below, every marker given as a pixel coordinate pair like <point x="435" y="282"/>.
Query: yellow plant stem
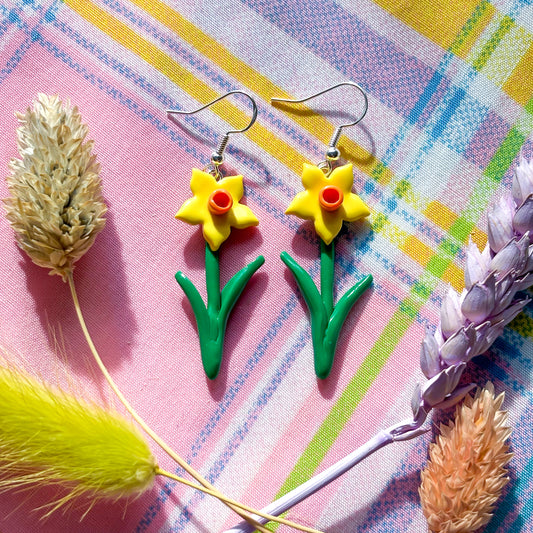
<point x="283" y="521"/>
<point x="154" y="436"/>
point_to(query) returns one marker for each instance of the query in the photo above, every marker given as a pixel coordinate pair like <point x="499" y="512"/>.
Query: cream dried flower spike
<point x="56" y="209"/>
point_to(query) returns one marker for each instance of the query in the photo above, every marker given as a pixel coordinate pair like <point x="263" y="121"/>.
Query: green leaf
<point x="317" y="310"/>
<point x="342" y="309"/>
<point x="234" y="287"/>
<point x="307" y="287"/>
<point x="197" y="304"/>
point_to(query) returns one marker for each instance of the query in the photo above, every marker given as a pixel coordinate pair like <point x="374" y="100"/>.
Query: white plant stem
<point x="403" y="431"/>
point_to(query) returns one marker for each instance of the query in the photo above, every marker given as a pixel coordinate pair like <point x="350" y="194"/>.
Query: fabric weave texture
<point x="450" y="89"/>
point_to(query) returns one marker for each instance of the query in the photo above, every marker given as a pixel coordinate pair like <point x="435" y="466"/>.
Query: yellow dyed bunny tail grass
<point x="48" y="437"/>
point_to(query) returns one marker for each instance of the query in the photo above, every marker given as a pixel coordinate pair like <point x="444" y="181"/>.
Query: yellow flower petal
<point x="233" y="184"/>
<point x="328" y="225"/>
<point x="191" y="211"/>
<point x="202" y="183"/>
<point x="241" y="216"/>
<point x="216" y="227"/>
<point x="342" y="177"/>
<point x="216" y="230"/>
<point x="354" y="208"/>
<point x="307" y="205"/>
<point x="304" y="205"/>
<point x="313" y="177"/>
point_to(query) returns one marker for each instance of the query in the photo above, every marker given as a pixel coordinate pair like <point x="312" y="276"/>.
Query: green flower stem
<point x="327" y="274"/>
<point x="211" y="320"/>
<point x="212" y="282"/>
<point x="326" y="319"/>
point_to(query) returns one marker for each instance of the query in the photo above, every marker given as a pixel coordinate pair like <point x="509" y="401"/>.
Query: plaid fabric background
<point x="450" y="85"/>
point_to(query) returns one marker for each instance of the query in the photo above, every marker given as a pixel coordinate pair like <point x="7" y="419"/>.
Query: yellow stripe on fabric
<point x="423" y="254"/>
<point x="519" y="85"/>
<point x="440" y="214"/>
<point x="479" y="238"/>
<point x="314" y="123"/>
<point x="438" y="20"/>
<point x="417" y="250"/>
<point x="199" y="90"/>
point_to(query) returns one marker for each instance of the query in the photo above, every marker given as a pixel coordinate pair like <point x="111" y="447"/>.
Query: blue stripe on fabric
<point x="230" y="395"/>
<point x="425" y="97"/>
<point x="512" y="344"/>
<point x="245" y="426"/>
<point x="20" y="52"/>
<point x="453" y="103"/>
<point x="509" y="504"/>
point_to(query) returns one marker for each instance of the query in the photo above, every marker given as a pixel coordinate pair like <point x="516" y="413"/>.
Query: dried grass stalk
<point x="466" y="471"/>
<point x="50" y="437"/>
<point x="56" y="206"/>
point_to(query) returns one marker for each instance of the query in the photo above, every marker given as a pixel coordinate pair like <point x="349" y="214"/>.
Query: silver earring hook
<point x="217" y="157"/>
<point x="332" y="153"/>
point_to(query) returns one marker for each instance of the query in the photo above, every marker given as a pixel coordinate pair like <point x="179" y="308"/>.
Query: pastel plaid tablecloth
<point x="450" y="85"/>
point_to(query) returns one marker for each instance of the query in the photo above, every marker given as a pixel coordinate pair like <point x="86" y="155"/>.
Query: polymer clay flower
<point x="215" y="205"/>
<point x="328" y="200"/>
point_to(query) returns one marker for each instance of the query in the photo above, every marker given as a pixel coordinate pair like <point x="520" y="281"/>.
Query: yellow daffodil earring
<point x="327" y="200"/>
<point x="215" y="205"/>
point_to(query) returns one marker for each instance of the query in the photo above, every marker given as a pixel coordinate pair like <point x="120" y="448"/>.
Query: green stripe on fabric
<point x="505" y="154"/>
<point x="481" y="60"/>
<point x="342" y="411"/>
<point x="476" y="16"/>
<point x="529" y="106"/>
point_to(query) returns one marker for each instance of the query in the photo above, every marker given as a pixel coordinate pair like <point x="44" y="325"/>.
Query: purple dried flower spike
<point x="472" y="321"/>
<point x="469" y="323"/>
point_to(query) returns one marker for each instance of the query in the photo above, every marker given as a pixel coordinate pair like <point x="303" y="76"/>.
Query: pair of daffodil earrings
<point x="327" y="200"/>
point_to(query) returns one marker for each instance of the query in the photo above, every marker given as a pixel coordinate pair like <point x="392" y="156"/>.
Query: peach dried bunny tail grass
<point x="466" y="471"/>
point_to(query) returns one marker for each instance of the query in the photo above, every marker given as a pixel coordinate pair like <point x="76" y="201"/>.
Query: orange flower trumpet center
<point x="330" y="197"/>
<point x="220" y="202"/>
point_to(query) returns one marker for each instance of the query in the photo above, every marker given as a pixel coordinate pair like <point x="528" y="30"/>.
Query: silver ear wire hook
<point x="333" y="153"/>
<point x="217" y="157"/>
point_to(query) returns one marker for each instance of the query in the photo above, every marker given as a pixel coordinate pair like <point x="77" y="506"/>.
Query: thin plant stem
<point x="149" y="431"/>
<point x="327" y="274"/>
<point x="212" y="278"/>
<point x="266" y="516"/>
<point x="403" y="431"/>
